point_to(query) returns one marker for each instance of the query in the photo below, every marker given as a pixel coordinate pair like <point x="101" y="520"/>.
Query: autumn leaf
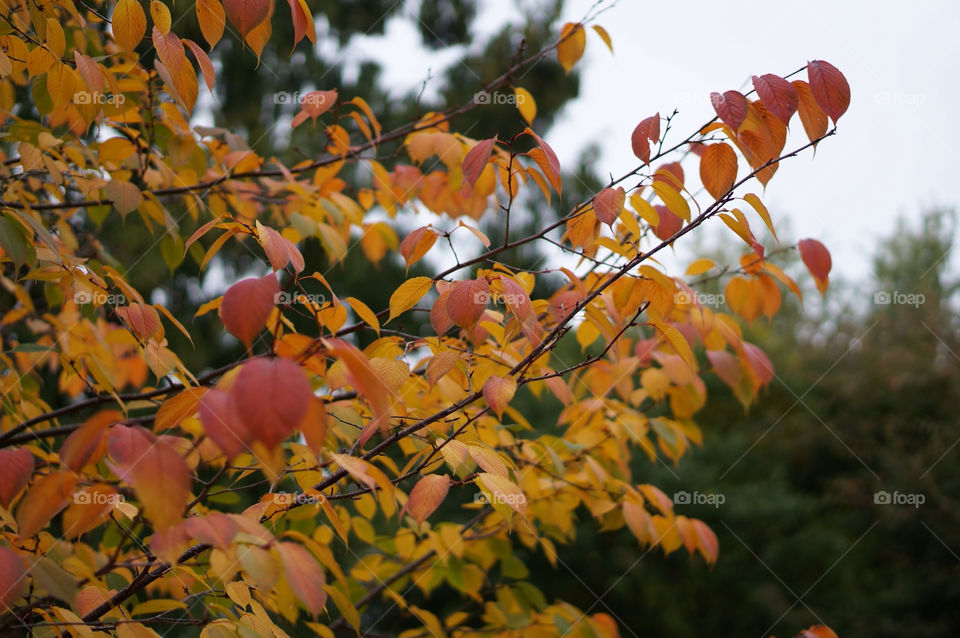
<point x="778" y="95"/>
<point x="271" y="397"/>
<point x="498" y="391"/>
<point x="816" y="258"/>
<point x="142" y="319"/>
<point x="829" y="88"/>
<point x="46" y="497"/>
<point x="87" y="444"/>
<point x="16" y="468"/>
<point x="573" y="40"/>
<point x="407" y="295"/>
<point x="129" y="24"/>
<point x="13" y="578"/>
<point x="731" y="108"/>
<point x="304" y="576"/>
<point x="247" y="305"/>
<point x="608" y="203"/>
<point x="211" y="18"/>
<point x="245" y="15"/>
<point x="467" y="301"/>
<point x="475" y="161"/>
<point x="426" y="496"/>
<point x="502" y="491"/>
<point x="415" y="245"/>
<point x="718" y="169"/>
<point x="648" y="130"/>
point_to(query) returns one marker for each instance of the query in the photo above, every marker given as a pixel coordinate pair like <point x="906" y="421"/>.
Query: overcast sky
<point x="892" y="156"/>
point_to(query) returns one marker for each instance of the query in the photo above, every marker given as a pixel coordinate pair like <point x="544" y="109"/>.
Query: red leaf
<point x="280" y="250"/>
<point x="718" y="169"/>
<point x="246" y="14"/>
<point x="247" y="305"/>
<point x="608" y="203"/>
<point x="759" y="363"/>
<point x="467" y="301"/>
<point x="142" y="319"/>
<point x="16" y="468"/>
<point x="731" y="107"/>
<point x="829" y="87"/>
<point x="216" y="528"/>
<point x="439" y="319"/>
<point x="271" y="397"/>
<point x="777" y="95"/>
<point x="222" y="425"/>
<point x="304" y="575"/>
<point x="13" y="578"/>
<point x="668" y="224"/>
<point x="476" y="160"/>
<point x="426" y="496"/>
<point x="647" y="131"/>
<point x="816" y="258"/>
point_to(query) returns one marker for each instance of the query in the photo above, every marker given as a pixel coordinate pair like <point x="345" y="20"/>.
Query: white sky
<point x="892" y="155"/>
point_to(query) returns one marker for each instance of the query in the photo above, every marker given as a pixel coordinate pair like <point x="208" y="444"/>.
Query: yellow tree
<point x="119" y="481"/>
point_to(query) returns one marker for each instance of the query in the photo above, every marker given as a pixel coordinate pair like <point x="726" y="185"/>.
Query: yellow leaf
<point x="699" y="267"/>
<point x="525" y="104"/>
<point x="676" y="340"/>
<point x="161" y="16"/>
<point x="407" y="295"/>
<point x="363" y="311"/>
<point x="129" y="24"/>
<point x="604" y="36"/>
<point x="573" y="39"/>
<point x="502" y="491"/>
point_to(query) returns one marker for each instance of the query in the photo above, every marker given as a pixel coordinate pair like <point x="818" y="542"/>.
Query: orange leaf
<point x="648" y="130"/>
<point x="142" y="459"/>
<point x="245" y="15"/>
<point x="142" y="319"/>
<point x="829" y="87"/>
<point x="759" y="363"/>
<point x="426" y="496"/>
<point x="177" y="408"/>
<point x="216" y="528"/>
<point x="211" y="18"/>
<point x="415" y="245"/>
<point x="476" y="160"/>
<point x="608" y="204"/>
<point x="707" y="542"/>
<point x="129" y="24"/>
<point x="302" y="21"/>
<point x="363" y="377"/>
<point x="247" y="305"/>
<point x="13" y="578"/>
<point x="280" y="250"/>
<point x="271" y="397"/>
<point x="85" y="445"/>
<point x="498" y="391"/>
<point x="718" y="169"/>
<point x="573" y="40"/>
<point x="777" y="95"/>
<point x="812" y="117"/>
<point x="731" y="108"/>
<point x="16" y="468"/>
<point x="304" y="575"/>
<point x="816" y="258"/>
<point x="817" y="631"/>
<point x="47" y="496"/>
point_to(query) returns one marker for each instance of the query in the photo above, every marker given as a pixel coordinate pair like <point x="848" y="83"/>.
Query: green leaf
<point x="15" y="243"/>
